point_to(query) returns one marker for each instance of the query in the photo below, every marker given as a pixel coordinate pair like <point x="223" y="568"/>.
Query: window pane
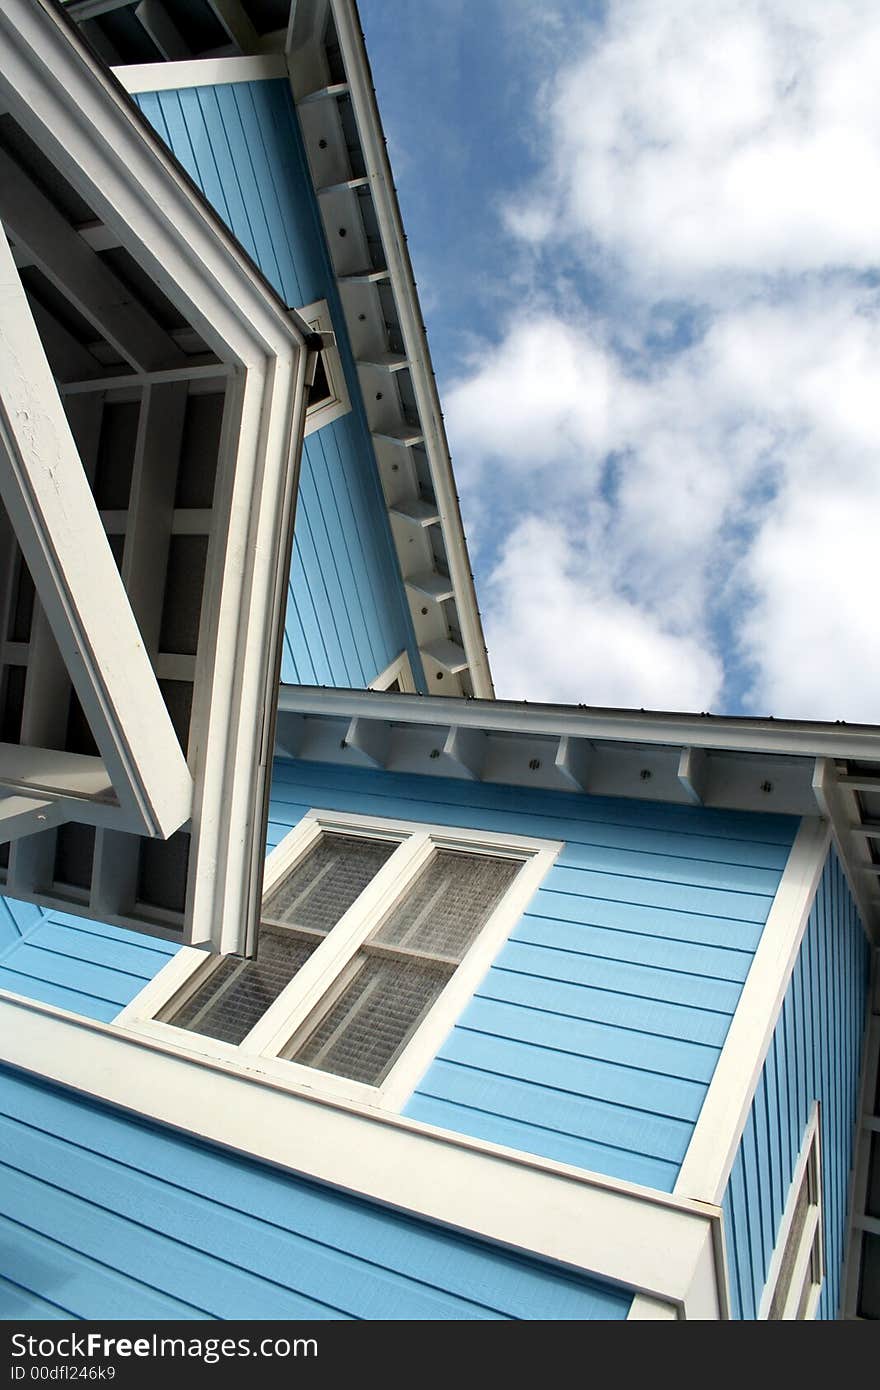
<point x="792" y="1246"/>
<point x="311" y="899"/>
<point x="237" y="994"/>
<point x="373" y="1019"/>
<point x="402" y="968"/>
<point x="449" y="903"/>
<point x="325" y="884"/>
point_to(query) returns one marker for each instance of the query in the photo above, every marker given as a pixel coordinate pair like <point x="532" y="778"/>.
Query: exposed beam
<point x="693" y="773"/>
<point x="371" y="739"/>
<point x="50" y="505"/>
<point x="466" y="750"/>
<point x="79" y="273"/>
<point x="237" y="24"/>
<point x="161" y="28"/>
<point x="573" y="756"/>
<point x="26" y="815"/>
<point x="47" y="772"/>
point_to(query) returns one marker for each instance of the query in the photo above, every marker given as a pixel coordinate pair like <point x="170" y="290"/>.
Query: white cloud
<point x="555" y="632"/>
<point x="693" y="139"/>
<point x="744" y="476"/>
<point x="701" y="503"/>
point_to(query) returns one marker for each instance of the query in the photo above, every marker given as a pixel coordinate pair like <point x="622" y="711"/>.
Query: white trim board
<point x="710" y="1155"/>
<point x="636" y="1238"/>
<point x="200" y="72"/>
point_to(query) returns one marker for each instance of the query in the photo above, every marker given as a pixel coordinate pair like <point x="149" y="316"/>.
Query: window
<point x="795" y="1277"/>
<point x="328" y="395"/>
<point x="396" y="677"/>
<point x="373" y="936"/>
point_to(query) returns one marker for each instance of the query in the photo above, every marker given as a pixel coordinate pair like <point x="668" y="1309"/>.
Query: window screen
<point x="297" y="916"/>
<point x="403" y="966"/>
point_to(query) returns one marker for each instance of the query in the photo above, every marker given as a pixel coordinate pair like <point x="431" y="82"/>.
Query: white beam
<point x="693" y="773"/>
<point x="237" y="24"/>
<point x="78" y="272"/>
<point x="573" y="757"/>
<point x="67" y="552"/>
<point x="200" y="72"/>
<point x="465" y="750"/>
<point x="26" y="815"/>
<point x="371" y="739"/>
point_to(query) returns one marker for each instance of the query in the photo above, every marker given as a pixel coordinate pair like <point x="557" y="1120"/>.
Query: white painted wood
<point x="465" y="751"/>
<point x="235" y="20"/>
<point x="319" y="320"/>
<point x="572" y="761"/>
<point x="693" y="773"/>
<point x="649" y="1241"/>
<point x="645" y="1309"/>
<point x="26" y="815"/>
<point x="371" y="739"/>
<point x="706" y="1167"/>
<point x="200" y="72"/>
<point x="835" y="797"/>
<point x="416" y="510"/>
<point x="397" y="258"/>
<point x="399" y="670"/>
<point x="73" y="109"/>
<point x="157" y="22"/>
<point x="48" y="500"/>
<point x="808" y="1156"/>
<point x="77" y="271"/>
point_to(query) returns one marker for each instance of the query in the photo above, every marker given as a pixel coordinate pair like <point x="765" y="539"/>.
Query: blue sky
<point x="647" y="239"/>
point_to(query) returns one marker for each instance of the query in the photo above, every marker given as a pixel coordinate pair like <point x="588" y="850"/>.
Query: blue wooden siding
<point x="15" y="919"/>
<point x="347" y="616"/>
<point x="815" y="1055"/>
<point x="88" y="967"/>
<point x="105" y="1216"/>
<point x="594" y="1035"/>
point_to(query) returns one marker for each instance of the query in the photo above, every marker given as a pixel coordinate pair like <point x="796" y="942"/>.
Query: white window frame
<point x="317" y="316"/>
<point x="263" y="1048"/>
<point x="807" y="1170"/>
<point x="400" y="670"/>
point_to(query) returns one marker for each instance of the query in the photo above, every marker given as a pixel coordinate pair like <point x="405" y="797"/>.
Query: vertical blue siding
<point x="347" y="616"/>
<point x="15" y="919"/>
<point x="815" y="1055"/>
<point x="106" y="1216"/>
<point x="593" y="1037"/>
<point x="88" y="967"/>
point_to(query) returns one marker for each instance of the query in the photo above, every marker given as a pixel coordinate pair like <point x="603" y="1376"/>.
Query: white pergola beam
<point x="47" y="496"/>
<point x="26" y="815"/>
<point x="78" y="272"/>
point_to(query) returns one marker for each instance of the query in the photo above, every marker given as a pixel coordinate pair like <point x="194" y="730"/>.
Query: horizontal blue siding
<point x="347" y="614"/>
<point x="105" y="1216"/>
<point x="91" y="968"/>
<point x="815" y="1055"/>
<point x="594" y="1035"/>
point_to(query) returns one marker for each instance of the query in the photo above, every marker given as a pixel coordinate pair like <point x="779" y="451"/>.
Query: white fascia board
<point x="633" y="1237"/>
<point x="53" y="513"/>
<point x="720" y="733"/>
<point x="366" y="111"/>
<point x="710" y="1155"/>
<point x="200" y="72"/>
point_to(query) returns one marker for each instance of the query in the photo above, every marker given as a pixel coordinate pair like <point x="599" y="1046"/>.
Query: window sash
<point x="326" y="973"/>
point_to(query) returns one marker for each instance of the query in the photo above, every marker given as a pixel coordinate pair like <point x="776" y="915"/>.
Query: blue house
<point x="331" y="986"/>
